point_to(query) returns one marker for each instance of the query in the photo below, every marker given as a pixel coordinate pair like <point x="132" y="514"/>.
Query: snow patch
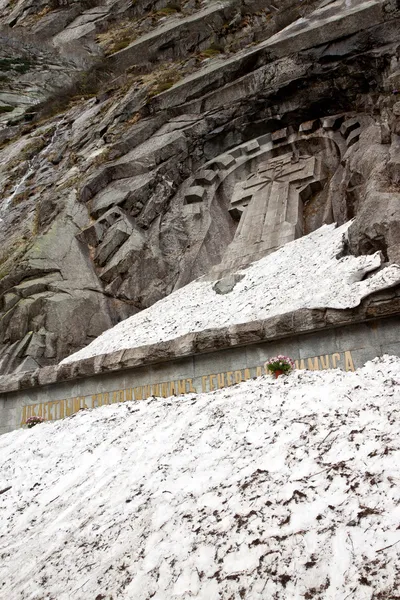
<point x="271" y="489"/>
<point x="305" y="273"/>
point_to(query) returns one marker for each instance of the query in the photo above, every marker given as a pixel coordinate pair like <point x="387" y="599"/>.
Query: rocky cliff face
<point x="133" y="125"/>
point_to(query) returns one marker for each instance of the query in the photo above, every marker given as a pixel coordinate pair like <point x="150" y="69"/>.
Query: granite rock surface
<point x="138" y="128"/>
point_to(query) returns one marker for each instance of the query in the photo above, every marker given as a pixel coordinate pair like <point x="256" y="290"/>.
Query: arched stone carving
<point x="269" y="205"/>
<point x="275" y="188"/>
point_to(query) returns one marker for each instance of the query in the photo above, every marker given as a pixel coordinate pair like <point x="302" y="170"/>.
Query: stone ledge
<point x="282" y="44"/>
<point x="300" y="322"/>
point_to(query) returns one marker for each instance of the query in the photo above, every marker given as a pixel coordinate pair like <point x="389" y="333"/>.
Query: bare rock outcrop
<point x="126" y="173"/>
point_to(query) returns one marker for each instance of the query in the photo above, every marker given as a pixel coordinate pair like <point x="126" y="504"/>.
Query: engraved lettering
<point x="348" y="361"/>
<point x="49" y="407"/>
<point x="221" y="380"/>
<point x="313" y="366"/>
<point x="212" y="379"/>
<point x="138" y="393"/>
<point x="324" y="360"/>
<point x="238" y="376"/>
<point x="24" y="417"/>
<point x="181" y="386"/>
<point x="191" y="388"/>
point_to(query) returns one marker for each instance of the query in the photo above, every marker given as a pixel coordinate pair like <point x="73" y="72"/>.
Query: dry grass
<point x="122" y="34"/>
<point x="162" y="80"/>
<point x="102" y="157"/>
<point x="133" y="120"/>
<point x="118" y="37"/>
<point x="211" y="51"/>
<point x="21" y="197"/>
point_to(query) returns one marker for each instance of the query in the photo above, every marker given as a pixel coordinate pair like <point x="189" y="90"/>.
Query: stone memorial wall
<point x="345" y="348"/>
<point x="230" y="129"/>
<point x="218" y="133"/>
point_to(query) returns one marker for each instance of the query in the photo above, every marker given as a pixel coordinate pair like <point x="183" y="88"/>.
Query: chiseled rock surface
<point x="306" y="273"/>
<point x="116" y="192"/>
<point x="269" y="489"/>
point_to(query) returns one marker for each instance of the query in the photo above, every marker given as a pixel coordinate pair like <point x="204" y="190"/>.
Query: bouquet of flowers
<point x="279" y="365"/>
<point x="32" y="421"/>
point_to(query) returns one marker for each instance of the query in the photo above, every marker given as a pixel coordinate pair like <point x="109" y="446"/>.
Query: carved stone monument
<point x="269" y="206"/>
<point x="171" y="167"/>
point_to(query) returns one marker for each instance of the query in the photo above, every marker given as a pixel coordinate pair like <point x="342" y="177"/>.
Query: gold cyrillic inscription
<point x="58" y="409"/>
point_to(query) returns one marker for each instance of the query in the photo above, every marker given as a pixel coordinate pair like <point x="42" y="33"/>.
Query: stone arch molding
<point x="267" y="184"/>
<point x="220" y="219"/>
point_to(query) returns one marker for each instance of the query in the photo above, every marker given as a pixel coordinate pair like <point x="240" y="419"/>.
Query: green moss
<point x="161" y="87"/>
<point x="213" y="50"/>
<point x="163" y="81"/>
<point x="21" y="65"/>
<point x="210" y="52"/>
<point x="119" y="45"/>
<point x="10" y="257"/>
<point x="166" y="11"/>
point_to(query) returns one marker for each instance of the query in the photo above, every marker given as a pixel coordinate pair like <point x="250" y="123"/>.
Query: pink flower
<point x="280" y="363"/>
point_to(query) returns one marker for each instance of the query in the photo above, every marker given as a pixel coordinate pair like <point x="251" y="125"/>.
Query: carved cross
<point x="269" y="206"/>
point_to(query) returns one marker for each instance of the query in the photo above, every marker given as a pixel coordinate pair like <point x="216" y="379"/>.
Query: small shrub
<point x="21" y="65"/>
<point x="164" y="81"/>
<point x="32" y="421"/>
<point x="210" y="52"/>
<point x="161" y="87"/>
<point x="213" y="50"/>
<point x="119" y="45"/>
<point x="171" y="9"/>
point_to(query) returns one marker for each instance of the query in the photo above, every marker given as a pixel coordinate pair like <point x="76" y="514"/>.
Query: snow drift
<point x="272" y="489"/>
<point x="306" y="273"/>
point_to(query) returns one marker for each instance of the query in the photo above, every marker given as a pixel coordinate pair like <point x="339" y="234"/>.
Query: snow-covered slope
<point x="270" y="490"/>
<point x="305" y="273"/>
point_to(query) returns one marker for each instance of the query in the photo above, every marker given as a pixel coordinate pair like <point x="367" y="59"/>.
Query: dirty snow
<point x="281" y="489"/>
<point x="305" y="273"/>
